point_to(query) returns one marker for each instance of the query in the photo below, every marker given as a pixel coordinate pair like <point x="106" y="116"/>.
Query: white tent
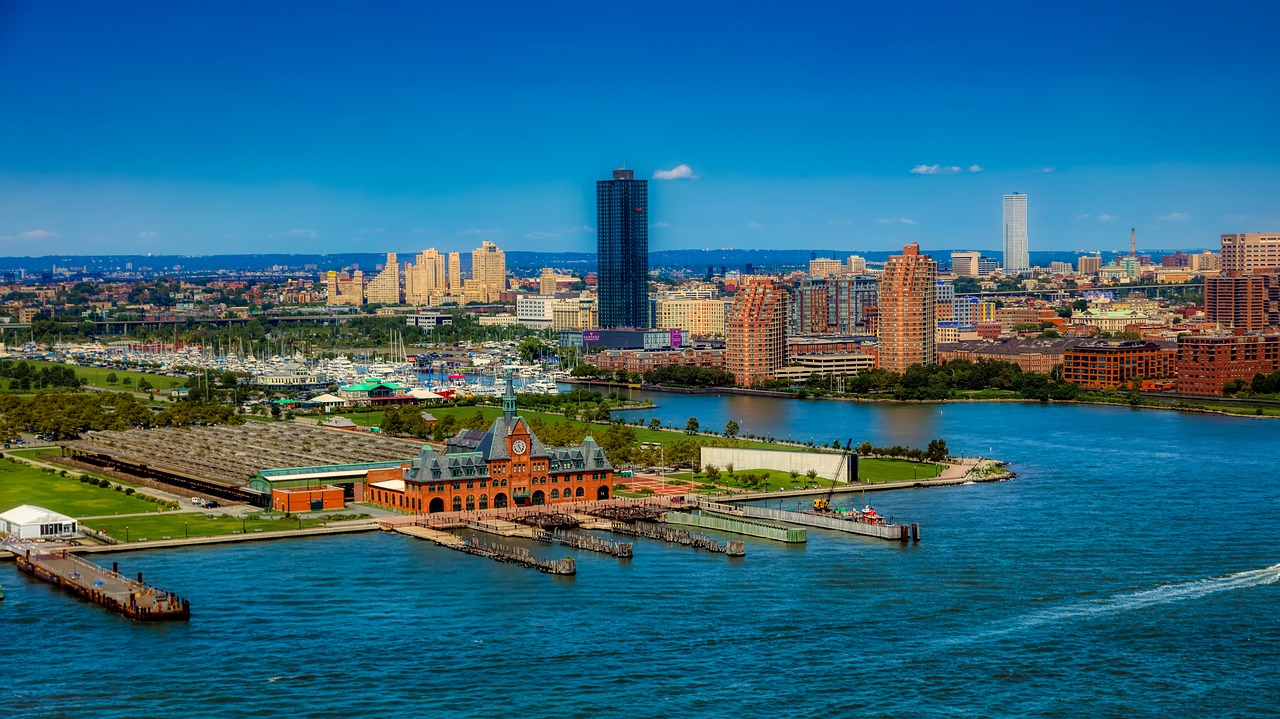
<point x="423" y="393"/>
<point x="31" y="522"/>
<point x="329" y="402"/>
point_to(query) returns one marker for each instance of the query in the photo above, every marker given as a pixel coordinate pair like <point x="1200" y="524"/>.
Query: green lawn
<point x="97" y="377"/>
<point x="176" y="526"/>
<point x="23" y="484"/>
<point x="894" y="470"/>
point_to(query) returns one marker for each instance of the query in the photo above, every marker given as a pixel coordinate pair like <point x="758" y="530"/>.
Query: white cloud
<point x="679" y="172"/>
<point x="754" y="225"/>
<point x="1085" y="216"/>
<point x="661" y="224"/>
<point x="304" y="232"/>
<point x="1175" y="217"/>
<point x="1104" y="217"/>
<point x="147" y="235"/>
<point x="39" y="235"/>
<point x="944" y="169"/>
<point x="895" y="221"/>
<point x="1045" y="170"/>
<point x="907" y="221"/>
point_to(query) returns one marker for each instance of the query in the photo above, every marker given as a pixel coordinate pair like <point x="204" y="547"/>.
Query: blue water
<point x="1130" y="570"/>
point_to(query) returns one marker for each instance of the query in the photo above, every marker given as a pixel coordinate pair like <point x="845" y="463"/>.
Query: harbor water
<point x="1130" y="570"/>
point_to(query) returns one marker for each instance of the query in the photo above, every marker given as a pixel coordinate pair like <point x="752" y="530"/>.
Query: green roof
<point x="371" y="384"/>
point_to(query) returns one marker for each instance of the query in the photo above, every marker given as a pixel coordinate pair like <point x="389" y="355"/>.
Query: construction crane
<point x="823" y="504"/>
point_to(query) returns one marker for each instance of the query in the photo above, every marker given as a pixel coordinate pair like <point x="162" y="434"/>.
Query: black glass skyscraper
<point x="622" y="231"/>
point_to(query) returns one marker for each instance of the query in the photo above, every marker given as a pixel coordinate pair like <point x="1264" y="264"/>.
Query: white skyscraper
<point x="1016" y="257"/>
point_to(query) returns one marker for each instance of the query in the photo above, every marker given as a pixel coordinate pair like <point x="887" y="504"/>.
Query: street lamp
<point x="126" y="535"/>
<point x="185" y="531"/>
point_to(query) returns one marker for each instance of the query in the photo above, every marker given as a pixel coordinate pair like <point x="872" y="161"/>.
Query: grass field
<point x="871" y="470"/>
<point x="97" y="377"/>
<point x="23" y="484"/>
<point x="189" y="524"/>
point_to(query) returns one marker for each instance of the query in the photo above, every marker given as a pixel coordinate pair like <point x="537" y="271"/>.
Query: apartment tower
<point x="622" y="245"/>
<point x="489" y="269"/>
<point x="906" y="310"/>
<point x="384" y="288"/>
<point x="756" y="332"/>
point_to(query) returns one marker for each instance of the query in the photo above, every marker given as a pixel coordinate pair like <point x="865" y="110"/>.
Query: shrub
<point x="129" y="491"/>
<point x="119" y="488"/>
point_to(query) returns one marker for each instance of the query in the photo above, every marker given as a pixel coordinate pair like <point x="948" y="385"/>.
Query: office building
<point x="547" y="282"/>
<point x="807" y="310"/>
<point x="384" y="288"/>
<point x="489" y="269"/>
<point x="1088" y="264"/>
<point x="455" y="271"/>
<point x="964" y="264"/>
<point x="575" y="313"/>
<point x="343" y="288"/>
<point x="1104" y="364"/>
<point x="702" y="318"/>
<point x="856" y="265"/>
<point x="1016" y="251"/>
<point x="622" y="245"/>
<point x="756" y="333"/>
<point x="987" y="266"/>
<point x="425" y="280"/>
<point x="907" y="291"/>
<point x="820" y="267"/>
<point x="1250" y="252"/>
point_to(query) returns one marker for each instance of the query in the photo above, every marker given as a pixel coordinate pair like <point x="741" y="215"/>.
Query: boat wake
<point x="1164" y="594"/>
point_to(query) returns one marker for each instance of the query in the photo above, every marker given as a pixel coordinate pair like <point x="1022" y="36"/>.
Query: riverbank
<point x="364" y="526"/>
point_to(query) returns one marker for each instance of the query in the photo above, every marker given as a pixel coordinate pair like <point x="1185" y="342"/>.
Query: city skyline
<point x="224" y="130"/>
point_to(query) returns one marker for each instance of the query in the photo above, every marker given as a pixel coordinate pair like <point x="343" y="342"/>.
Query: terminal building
<point x="509" y="466"/>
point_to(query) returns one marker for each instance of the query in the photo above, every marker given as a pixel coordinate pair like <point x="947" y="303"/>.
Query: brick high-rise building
<point x="906" y="307"/>
<point x="1205" y="363"/>
<point x="808" y="308"/>
<point x="1088" y="264"/>
<point x="1250" y="252"/>
<point x="1244" y="302"/>
<point x="756" y="333"/>
<point x="1104" y="364"/>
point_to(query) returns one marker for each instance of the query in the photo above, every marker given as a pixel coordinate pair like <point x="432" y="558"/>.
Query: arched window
<point x="555" y="494"/>
<point x="471" y="502"/>
<point x="578" y="493"/>
<point x="457" y="504"/>
<point x="499" y="501"/>
<point x="484" y="501"/>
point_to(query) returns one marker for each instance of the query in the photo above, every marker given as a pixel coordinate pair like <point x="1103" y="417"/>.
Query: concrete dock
<point x="839" y="523"/>
<point x="133" y="598"/>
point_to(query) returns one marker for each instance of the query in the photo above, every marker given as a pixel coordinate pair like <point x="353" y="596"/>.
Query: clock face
<point x="519" y="446"/>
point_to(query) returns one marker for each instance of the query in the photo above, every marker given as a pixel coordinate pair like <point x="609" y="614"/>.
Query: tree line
<point x="66" y="416"/>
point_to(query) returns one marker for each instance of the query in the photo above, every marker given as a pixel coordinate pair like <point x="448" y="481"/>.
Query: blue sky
<point x="290" y="127"/>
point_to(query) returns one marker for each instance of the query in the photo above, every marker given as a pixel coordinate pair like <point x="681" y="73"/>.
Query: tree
<point x="936" y="451"/>
<point x="712" y="471"/>
<point x="812" y="474"/>
<point x="128" y="381"/>
<point x="112" y="378"/>
<point x="731" y="429"/>
<point x="691" y="427"/>
<point x="654" y="423"/>
<point x="864" y="449"/>
<point x="144" y="384"/>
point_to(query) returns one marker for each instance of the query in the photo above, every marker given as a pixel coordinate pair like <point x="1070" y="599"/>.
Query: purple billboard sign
<point x="590" y="337"/>
<point x="677" y="340"/>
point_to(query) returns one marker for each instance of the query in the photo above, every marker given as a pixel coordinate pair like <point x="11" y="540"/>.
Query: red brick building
<point x="1110" y="363"/>
<point x="1206" y="363"/>
<point x="756" y="332"/>
<point x="510" y="466"/>
<point x="645" y="360"/>
<point x="1245" y="302"/>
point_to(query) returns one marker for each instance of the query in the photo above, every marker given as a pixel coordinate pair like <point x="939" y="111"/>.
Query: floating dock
<point x="763" y="529"/>
<point x="833" y="521"/>
<point x="133" y="598"/>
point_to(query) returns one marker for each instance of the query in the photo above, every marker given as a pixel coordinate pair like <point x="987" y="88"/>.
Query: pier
<point x="132" y="598"/>
<point x="833" y="521"/>
<point x="679" y="536"/>
<point x="621" y="550"/>
<point x="491" y="550"/>
<point x="762" y="529"/>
